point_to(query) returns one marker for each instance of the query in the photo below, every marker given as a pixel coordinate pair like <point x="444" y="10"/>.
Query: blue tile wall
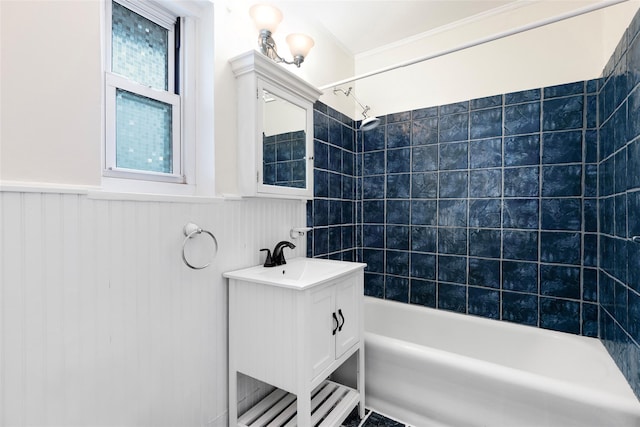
<point x="618" y="175"/>
<point x="485" y="207"/>
<point x="491" y="203"/>
<point x="332" y="212"/>
<point x="516" y="207"/>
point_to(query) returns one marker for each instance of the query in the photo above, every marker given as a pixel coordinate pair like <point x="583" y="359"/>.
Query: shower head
<point x="368" y="123"/>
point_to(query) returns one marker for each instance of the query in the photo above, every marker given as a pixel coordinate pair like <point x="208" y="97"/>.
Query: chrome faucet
<point x="278" y="254"/>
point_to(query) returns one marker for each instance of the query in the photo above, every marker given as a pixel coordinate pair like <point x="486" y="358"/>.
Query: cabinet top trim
<point x="255" y="62"/>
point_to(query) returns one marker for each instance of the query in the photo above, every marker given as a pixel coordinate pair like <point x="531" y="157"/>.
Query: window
<point x="143" y="103"/>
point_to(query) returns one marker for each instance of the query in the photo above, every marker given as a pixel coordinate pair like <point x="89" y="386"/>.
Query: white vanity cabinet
<point x="293" y="336"/>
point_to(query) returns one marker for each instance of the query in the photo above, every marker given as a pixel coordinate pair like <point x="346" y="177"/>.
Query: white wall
<point x="571" y="50"/>
<point x="101" y="323"/>
<point x="51" y="86"/>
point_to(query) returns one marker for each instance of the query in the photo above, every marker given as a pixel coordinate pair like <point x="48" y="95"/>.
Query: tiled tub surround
<point x="487" y="207"/>
<point x="619" y="201"/>
<point x="491" y="206"/>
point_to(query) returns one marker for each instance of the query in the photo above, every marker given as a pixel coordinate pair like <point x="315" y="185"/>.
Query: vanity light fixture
<point x="266" y="19"/>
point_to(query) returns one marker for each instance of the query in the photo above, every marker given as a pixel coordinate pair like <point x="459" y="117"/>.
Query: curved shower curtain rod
<point x="497" y="36"/>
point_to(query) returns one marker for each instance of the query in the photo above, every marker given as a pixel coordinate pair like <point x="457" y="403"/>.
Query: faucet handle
<point x="269" y="261"/>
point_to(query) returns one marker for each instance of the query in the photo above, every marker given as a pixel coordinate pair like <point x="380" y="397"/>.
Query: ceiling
<point x="361" y="26"/>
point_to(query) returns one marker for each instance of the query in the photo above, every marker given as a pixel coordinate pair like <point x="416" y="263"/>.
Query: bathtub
<point x="430" y="367"/>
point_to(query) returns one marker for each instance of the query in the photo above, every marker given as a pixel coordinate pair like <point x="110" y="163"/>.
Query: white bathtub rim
<point x="503" y="324"/>
<point x="627" y="404"/>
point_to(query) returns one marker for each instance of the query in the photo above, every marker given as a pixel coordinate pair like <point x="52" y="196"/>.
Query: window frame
<point x="113" y="82"/>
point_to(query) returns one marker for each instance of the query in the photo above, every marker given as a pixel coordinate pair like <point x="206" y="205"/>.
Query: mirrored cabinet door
<point x="286" y="144"/>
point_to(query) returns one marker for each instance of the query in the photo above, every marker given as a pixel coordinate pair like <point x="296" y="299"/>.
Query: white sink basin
<point x="297" y="273"/>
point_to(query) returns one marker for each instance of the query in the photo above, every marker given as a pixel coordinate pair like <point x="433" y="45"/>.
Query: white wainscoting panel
<point x="102" y="324"/>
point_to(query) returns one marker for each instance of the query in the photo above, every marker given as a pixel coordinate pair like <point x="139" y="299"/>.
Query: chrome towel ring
<point x="190" y="230"/>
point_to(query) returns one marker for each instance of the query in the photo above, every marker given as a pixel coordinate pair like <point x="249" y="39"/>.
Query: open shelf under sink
<point x="331" y="403"/>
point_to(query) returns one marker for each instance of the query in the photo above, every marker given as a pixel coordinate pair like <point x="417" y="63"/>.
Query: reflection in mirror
<point x="283" y="142"/>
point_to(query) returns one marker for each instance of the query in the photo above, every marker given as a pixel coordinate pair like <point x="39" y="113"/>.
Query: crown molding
<point x="448" y="27"/>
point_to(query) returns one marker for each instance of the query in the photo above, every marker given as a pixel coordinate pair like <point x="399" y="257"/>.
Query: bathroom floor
<point x="371" y="419"/>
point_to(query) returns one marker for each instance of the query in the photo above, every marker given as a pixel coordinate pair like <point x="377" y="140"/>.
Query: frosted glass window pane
<point x="143" y="133"/>
<point x="139" y="48"/>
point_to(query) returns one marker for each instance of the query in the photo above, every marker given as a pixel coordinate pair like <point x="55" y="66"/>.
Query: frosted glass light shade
<point x="299" y="44"/>
<point x="265" y="17"/>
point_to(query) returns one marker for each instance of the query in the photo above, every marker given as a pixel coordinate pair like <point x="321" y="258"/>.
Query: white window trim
<point x="152" y="11"/>
<point x="191" y="130"/>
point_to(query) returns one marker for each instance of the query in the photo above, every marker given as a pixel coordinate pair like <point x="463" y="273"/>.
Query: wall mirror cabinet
<point x="275" y="129"/>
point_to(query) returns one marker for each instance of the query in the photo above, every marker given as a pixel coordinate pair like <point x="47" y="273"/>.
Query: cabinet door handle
<point x="342" y="324"/>
<point x="337" y="323"/>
